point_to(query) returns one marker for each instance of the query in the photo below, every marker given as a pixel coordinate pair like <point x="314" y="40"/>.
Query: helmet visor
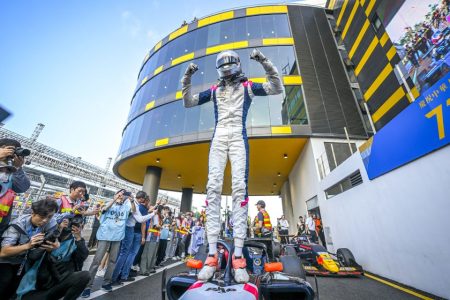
<point x="226" y="60"/>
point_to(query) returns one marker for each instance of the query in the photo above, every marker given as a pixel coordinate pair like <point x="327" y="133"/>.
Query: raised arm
<point x="274" y="85"/>
<point x="190" y="100"/>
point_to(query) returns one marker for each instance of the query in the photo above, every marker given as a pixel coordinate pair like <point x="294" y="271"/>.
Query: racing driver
<point x="232" y="97"/>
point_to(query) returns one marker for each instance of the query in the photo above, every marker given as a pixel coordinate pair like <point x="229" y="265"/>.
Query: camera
<point x="76" y="221"/>
<point x="22" y="152"/>
<point x="128" y="194"/>
<point x="51" y="236"/>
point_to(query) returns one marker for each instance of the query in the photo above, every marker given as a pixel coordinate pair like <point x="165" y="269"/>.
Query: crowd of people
<point x="43" y="251"/>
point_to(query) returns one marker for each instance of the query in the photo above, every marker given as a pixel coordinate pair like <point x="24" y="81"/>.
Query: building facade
<point x="167" y="144"/>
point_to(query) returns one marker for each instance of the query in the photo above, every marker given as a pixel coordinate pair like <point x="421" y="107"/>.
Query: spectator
<point x="148" y="258"/>
<point x="60" y="273"/>
<point x="187" y="224"/>
<point x="131" y="242"/>
<point x="109" y="235"/>
<point x="319" y="230"/>
<point x="284" y="230"/>
<point x="20" y="239"/>
<point x="143" y="208"/>
<point x="197" y="238"/>
<point x="96" y="224"/>
<point x="75" y="203"/>
<point x="182" y="232"/>
<point x="12" y="179"/>
<point x="311" y="227"/>
<point x="300" y="226"/>
<point x="163" y="239"/>
<point x="174" y="239"/>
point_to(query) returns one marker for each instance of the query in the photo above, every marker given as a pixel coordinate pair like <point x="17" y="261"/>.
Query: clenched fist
<point x="257" y="55"/>
<point x="191" y="69"/>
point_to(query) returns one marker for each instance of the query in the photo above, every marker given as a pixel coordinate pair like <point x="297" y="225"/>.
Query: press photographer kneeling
<point x="59" y="274"/>
<point x="21" y="238"/>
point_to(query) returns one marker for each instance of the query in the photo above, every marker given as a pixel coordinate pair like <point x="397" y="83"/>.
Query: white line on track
<point x="102" y="292"/>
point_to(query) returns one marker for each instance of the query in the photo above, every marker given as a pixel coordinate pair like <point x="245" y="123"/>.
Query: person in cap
<point x="232" y="97"/>
<point x="263" y="224"/>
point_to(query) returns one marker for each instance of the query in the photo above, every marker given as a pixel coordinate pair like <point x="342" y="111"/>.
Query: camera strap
<point x="24" y="260"/>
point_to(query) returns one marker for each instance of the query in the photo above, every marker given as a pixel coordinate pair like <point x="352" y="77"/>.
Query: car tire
<point x="290" y="250"/>
<point x="292" y="266"/>
<point x="345" y="256"/>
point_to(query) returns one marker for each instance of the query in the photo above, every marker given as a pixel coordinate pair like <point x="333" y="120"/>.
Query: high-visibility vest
<point x="66" y="206"/>
<point x="266" y="220"/>
<point x="6" y="198"/>
<point x="154" y="231"/>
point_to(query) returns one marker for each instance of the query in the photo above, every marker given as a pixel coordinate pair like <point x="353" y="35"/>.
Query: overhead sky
<point x="73" y="65"/>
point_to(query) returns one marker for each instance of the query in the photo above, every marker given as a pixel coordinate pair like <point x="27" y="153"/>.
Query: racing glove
<point x="257" y="55"/>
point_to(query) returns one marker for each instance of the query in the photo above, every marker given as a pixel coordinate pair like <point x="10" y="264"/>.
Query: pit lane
<point x="329" y="288"/>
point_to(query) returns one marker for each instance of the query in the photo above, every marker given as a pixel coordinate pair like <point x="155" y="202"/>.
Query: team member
<point x="74" y="204"/>
<point x="311" y="227"/>
<point x="284" y="230"/>
<point x="263" y="224"/>
<point x="232" y="98"/>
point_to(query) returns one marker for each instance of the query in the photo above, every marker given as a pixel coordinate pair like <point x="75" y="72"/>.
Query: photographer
<point x="12" y="178"/>
<point x="59" y="274"/>
<point x="20" y="238"/>
<point x="109" y="235"/>
<point x="76" y="202"/>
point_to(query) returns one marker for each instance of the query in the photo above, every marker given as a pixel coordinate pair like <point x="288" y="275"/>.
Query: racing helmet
<point x="228" y="64"/>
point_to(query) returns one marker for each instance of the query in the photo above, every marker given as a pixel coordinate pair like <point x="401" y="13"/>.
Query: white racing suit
<point x="231" y="104"/>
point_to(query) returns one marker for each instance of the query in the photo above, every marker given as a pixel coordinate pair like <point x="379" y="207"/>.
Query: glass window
<point x="226" y="32"/>
<point x="281" y="25"/>
<point x="192" y="116"/>
<point x="294" y="105"/>
<point x="176" y="115"/>
<point x="201" y="37"/>
<point x="259" y="112"/>
<point x="254" y="27"/>
<point x="276" y="110"/>
<point x="240" y="29"/>
<point x="267" y="27"/>
<point x="213" y="35"/>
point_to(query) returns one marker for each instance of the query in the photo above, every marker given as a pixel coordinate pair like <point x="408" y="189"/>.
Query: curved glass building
<point x="318" y="98"/>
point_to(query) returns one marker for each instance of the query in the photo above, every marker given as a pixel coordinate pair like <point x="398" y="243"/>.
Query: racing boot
<point x="208" y="270"/>
<point x="240" y="271"/>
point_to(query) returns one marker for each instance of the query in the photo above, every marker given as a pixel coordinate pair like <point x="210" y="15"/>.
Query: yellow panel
<point x="216" y="18"/>
<point x="331" y="4"/>
<point x="178" y="95"/>
<point x="157" y="46"/>
<point x="358" y="39"/>
<point x="281" y="130"/>
<point x="388" y="104"/>
<point x="362" y="2"/>
<point x="366" y="55"/>
<point x="378" y="81"/>
<point x="370" y="7"/>
<point x="384" y="39"/>
<point x="158" y="70"/>
<point x="390" y="54"/>
<point x="183" y="58"/>
<point x="161" y="142"/>
<point x="266" y="161"/>
<point x="350" y="19"/>
<point x="292" y="80"/>
<point x="278" y="41"/>
<point x="150" y="105"/>
<point x="261" y="10"/>
<point x="144" y="80"/>
<point x="415" y="92"/>
<point x="258" y="79"/>
<point x="229" y="46"/>
<point x="341" y="13"/>
<point x="178" y="32"/>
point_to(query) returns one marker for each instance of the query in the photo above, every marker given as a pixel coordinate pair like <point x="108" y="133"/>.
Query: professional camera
<point x="51" y="236"/>
<point x="22" y="152"/>
<point x="76" y="221"/>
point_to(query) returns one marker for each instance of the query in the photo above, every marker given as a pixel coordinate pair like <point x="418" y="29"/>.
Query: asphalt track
<point x="329" y="288"/>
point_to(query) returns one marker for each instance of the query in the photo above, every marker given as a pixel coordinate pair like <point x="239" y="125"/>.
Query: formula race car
<point x="272" y="276"/>
<point x="317" y="260"/>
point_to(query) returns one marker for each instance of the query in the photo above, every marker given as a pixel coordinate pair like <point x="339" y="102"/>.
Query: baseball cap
<point x="261" y="202"/>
